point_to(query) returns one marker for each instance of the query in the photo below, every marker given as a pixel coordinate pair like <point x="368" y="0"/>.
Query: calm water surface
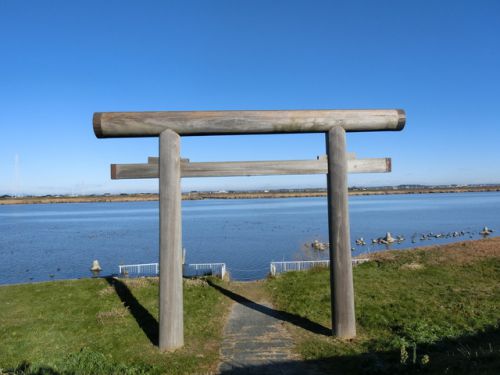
<point x="59" y="241"/>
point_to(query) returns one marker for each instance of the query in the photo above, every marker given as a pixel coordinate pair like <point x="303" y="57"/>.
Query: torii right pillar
<point x="341" y="282"/>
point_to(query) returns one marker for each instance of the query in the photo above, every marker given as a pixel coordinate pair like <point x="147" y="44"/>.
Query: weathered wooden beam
<point x="171" y="335"/>
<point x="151" y="124"/>
<point x="154" y="160"/>
<point x="350" y="155"/>
<point x="249" y="168"/>
<point x="341" y="283"/>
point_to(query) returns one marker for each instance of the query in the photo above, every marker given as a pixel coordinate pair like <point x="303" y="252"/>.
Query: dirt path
<point x="255" y="339"/>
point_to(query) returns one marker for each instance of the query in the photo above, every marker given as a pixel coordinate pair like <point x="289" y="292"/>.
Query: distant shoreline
<point x="239" y="195"/>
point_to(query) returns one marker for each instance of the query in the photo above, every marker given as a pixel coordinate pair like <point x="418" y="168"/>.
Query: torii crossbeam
<point x="170" y="125"/>
<point x="247" y="168"/>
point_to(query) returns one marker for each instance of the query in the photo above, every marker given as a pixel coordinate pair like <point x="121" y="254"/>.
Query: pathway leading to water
<point x="256" y="341"/>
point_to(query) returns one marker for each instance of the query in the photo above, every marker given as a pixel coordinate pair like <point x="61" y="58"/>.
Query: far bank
<point x="144" y="197"/>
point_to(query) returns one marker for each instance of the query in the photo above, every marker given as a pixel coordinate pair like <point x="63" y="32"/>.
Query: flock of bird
<point x="389" y="239"/>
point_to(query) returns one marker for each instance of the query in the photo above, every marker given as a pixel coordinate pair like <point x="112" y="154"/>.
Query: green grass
<point x="411" y="307"/>
<point x="421" y="311"/>
<point x="82" y="326"/>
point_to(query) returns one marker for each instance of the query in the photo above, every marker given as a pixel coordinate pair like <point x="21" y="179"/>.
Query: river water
<point x="59" y="241"/>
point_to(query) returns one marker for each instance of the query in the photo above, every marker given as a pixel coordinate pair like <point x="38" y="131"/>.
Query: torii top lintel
<point x="185" y="123"/>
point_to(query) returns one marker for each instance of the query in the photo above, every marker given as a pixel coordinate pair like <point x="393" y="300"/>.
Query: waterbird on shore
<point x="317" y="245"/>
<point x="388" y="238"/>
<point x="360" y="241"/>
<point x="486" y="231"/>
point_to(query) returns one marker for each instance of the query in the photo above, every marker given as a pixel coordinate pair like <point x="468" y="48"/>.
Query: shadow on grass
<point x="478" y="353"/>
<point x="278" y="314"/>
<point x="25" y="368"/>
<point x="142" y="316"/>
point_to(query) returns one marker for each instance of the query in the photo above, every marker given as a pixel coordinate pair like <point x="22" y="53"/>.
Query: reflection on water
<point x="61" y="240"/>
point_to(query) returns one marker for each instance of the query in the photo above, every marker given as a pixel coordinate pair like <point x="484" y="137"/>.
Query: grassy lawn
<point x="99" y="326"/>
<point x="431" y="310"/>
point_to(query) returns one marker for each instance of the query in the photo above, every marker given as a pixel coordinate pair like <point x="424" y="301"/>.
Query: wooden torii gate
<point x="169" y="126"/>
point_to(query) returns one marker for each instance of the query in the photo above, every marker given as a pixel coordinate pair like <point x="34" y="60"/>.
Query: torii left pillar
<point x="171" y="335"/>
<point x="341" y="283"/>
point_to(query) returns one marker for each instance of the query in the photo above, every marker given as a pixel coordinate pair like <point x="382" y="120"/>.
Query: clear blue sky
<point x="63" y="60"/>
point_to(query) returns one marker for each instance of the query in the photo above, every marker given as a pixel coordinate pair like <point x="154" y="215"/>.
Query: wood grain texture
<point x="171" y="335"/>
<point x="151" y="124"/>
<point x="248" y="168"/>
<point x="350" y="155"/>
<point x="341" y="282"/>
<point x="154" y="160"/>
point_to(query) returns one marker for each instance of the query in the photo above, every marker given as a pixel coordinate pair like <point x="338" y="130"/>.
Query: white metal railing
<point x="200" y="269"/>
<point x="302" y="265"/>
<point x="196" y="269"/>
<point x="139" y="269"/>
